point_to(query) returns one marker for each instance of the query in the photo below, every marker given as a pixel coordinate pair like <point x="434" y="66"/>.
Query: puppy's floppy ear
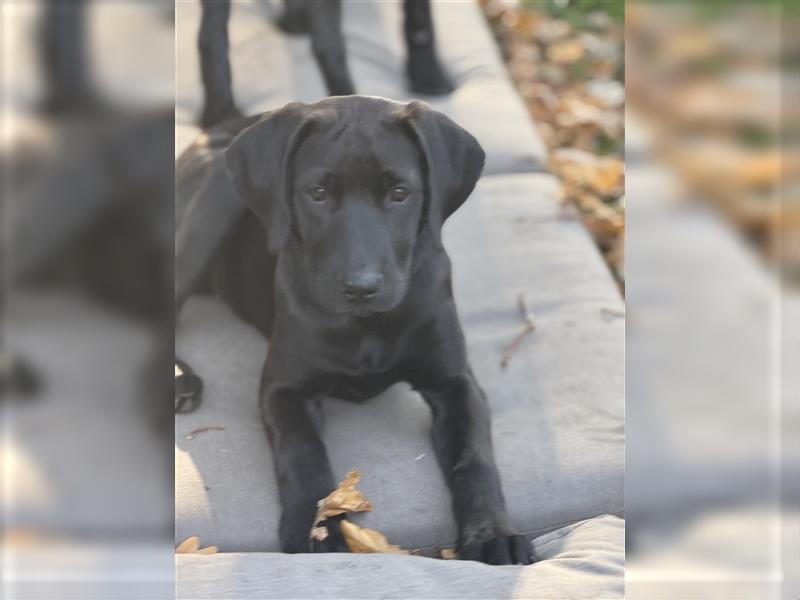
<point x="454" y="159"/>
<point x="258" y="161"/>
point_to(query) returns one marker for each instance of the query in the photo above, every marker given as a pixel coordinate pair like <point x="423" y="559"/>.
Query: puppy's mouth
<point x="363" y="312"/>
<point x="369" y="309"/>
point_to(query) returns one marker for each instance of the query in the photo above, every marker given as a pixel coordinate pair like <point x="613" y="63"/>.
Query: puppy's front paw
<point x="330" y="531"/>
<point x="495" y="546"/>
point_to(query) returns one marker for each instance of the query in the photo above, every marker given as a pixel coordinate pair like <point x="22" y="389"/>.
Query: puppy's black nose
<point x="362" y="286"/>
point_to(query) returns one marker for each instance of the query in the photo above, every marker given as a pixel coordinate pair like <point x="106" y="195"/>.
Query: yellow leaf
<point x="566" y="52"/>
<point x="365" y="540"/>
<point x="192" y="546"/>
<point x="604" y="176"/>
<point x="448" y="553"/>
<point x="189" y="546"/>
<point x="345" y="498"/>
<point x="608" y="176"/>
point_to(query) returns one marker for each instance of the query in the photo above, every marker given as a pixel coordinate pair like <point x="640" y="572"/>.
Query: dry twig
<point x="530" y="326"/>
<point x="194" y="432"/>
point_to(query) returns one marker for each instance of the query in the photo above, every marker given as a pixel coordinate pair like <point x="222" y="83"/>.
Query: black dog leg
<point x="215" y="63"/>
<point x="463" y="443"/>
<point x="425" y="73"/>
<point x="67" y="85"/>
<point x="18" y="378"/>
<point x="294" y="19"/>
<point x="327" y="43"/>
<point x="304" y="473"/>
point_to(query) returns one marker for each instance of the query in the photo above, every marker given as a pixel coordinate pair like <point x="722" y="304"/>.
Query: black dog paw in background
<point x="188" y="388"/>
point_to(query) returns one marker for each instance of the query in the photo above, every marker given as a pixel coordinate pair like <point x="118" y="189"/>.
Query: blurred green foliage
<point x="578" y="12"/>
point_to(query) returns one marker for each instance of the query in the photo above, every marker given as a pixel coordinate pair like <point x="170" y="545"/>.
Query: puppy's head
<point x="349" y="185"/>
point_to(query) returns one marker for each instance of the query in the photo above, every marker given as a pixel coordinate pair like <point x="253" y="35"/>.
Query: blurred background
<point x="673" y="127"/>
<point x="86" y="252"/>
<point x="568" y="63"/>
<point x="713" y="343"/>
<point x="712" y="222"/>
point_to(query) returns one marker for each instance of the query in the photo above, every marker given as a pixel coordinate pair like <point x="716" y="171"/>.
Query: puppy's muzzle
<point x="362" y="287"/>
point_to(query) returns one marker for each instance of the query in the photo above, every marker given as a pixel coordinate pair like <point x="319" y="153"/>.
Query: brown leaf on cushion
<point x="192" y="546"/>
<point x="364" y="540"/>
<point x="448" y="553"/>
<point x="345" y="498"/>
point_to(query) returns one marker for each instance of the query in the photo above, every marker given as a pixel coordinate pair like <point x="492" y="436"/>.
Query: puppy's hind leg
<point x="207" y="209"/>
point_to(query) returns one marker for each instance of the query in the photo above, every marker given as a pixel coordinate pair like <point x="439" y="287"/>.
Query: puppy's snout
<point x="362" y="286"/>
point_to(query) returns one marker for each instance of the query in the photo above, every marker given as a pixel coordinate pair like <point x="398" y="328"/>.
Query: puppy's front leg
<point x="462" y="439"/>
<point x="301" y="464"/>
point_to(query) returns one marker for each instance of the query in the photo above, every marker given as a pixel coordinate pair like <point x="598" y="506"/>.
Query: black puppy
<point x="322" y="20"/>
<point x="340" y="262"/>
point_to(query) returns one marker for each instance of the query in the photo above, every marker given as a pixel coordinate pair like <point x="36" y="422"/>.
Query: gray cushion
<point x="271" y="69"/>
<point x="557" y="408"/>
<point x="581" y="561"/>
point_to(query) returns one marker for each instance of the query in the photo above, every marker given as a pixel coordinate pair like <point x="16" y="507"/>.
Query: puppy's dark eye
<point x="317" y="193"/>
<point x="398" y="194"/>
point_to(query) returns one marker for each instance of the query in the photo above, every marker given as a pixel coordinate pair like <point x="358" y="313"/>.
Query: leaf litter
<point x="192" y="546"/>
<point x="347" y="498"/>
<point x="568" y="64"/>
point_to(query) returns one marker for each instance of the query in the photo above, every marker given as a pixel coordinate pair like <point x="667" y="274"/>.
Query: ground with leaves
<point x="568" y="65"/>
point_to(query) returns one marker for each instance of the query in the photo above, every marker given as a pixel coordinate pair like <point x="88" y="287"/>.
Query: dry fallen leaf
<point x="609" y="177"/>
<point x="345" y="498"/>
<point x="449" y="553"/>
<point x="569" y="77"/>
<point x="567" y="51"/>
<point x="192" y="546"/>
<point x="189" y="546"/>
<point x="604" y="176"/>
<point x="364" y="540"/>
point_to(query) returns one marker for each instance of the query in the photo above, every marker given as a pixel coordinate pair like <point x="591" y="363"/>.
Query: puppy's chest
<point x="361" y="368"/>
<point x="365" y="355"/>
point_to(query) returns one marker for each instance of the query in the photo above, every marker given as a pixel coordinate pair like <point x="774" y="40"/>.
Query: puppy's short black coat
<point x="339" y="261"/>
